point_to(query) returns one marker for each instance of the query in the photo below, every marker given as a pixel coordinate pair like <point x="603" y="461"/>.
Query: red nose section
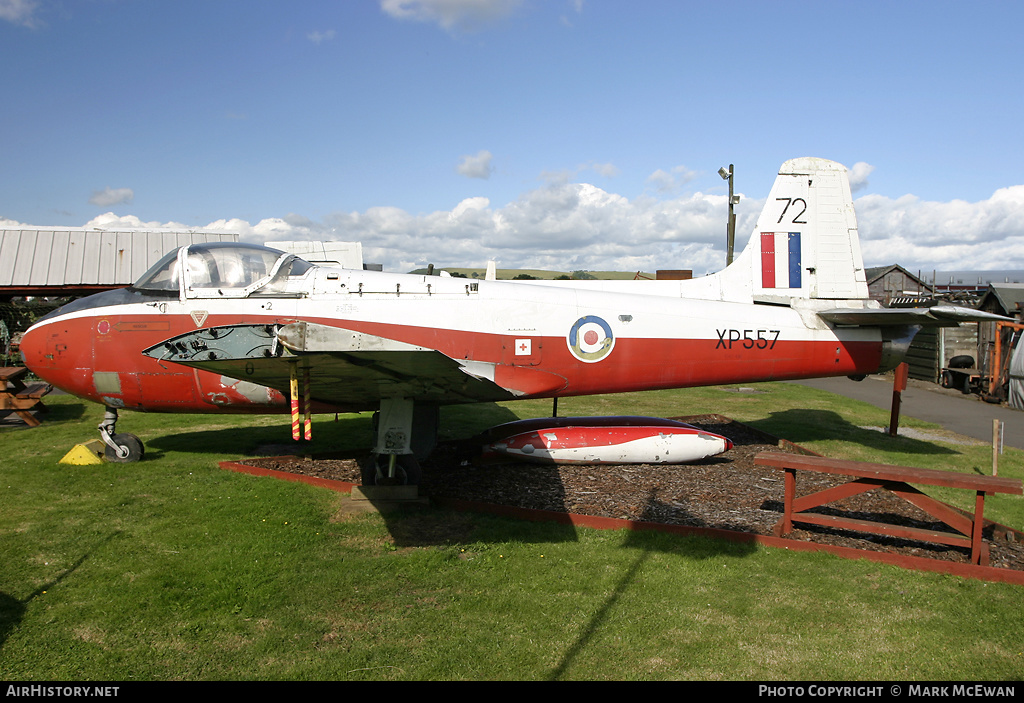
<point x="100" y="358"/>
<point x="33" y="351"/>
<point x="51" y="353"/>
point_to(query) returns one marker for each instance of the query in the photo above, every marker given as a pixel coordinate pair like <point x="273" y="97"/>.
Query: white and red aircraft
<point x="225" y="328"/>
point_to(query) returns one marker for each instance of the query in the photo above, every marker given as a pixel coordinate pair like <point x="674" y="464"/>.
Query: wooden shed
<point x="886" y="283"/>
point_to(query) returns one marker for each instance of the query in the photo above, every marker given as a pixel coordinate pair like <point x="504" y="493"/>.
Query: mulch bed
<point x="724" y="492"/>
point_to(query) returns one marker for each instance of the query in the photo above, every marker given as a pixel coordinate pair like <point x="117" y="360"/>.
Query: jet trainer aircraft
<point x="227" y="328"/>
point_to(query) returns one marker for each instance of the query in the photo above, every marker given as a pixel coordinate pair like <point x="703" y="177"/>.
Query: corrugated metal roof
<point x="82" y="257"/>
<point x="1008" y="295"/>
<point x="976" y="278"/>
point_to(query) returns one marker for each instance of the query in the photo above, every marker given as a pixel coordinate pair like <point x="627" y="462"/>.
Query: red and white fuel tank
<point x="603" y="440"/>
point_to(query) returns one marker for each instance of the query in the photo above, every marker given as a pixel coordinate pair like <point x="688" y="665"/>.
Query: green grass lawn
<point x="172" y="569"/>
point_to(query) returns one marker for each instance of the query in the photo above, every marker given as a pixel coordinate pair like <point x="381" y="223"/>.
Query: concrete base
<point x="384" y="497"/>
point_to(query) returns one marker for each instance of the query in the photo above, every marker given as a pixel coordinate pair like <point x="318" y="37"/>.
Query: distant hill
<point x="510" y="274"/>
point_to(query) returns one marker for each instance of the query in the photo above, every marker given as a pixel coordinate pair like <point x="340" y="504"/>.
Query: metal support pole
<point x="731" y="226"/>
<point x="899" y="384"/>
<point x="997" y="445"/>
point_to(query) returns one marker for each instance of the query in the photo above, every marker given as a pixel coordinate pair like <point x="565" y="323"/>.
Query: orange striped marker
<point x="305" y="402"/>
<point x="294" y="392"/>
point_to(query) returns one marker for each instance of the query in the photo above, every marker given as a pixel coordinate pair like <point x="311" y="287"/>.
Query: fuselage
<point x="543" y="341"/>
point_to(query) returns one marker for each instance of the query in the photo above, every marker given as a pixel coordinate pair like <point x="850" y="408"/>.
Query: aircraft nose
<point x="45" y="351"/>
<point x="32" y="347"/>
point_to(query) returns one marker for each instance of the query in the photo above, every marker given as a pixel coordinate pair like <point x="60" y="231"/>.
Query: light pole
<point x="730" y="228"/>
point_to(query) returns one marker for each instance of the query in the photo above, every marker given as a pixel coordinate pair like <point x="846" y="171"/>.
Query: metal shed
<point x="50" y="261"/>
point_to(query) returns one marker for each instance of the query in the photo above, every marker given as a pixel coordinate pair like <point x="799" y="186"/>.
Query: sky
<point x="555" y="134"/>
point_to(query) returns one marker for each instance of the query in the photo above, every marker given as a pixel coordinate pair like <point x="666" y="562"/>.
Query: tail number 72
<point x="748" y="339"/>
<point x="797" y="214"/>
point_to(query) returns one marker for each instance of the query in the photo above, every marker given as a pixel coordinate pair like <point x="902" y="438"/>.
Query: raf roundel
<point x="590" y="339"/>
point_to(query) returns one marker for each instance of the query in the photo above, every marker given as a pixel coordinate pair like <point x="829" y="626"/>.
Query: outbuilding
<point x="64" y="262"/>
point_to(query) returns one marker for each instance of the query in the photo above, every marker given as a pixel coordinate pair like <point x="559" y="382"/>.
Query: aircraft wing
<point x="347" y="368"/>
<point x="934" y="316"/>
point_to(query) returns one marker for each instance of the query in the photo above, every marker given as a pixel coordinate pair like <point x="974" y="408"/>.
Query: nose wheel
<point x="121" y="448"/>
<point x="392" y="470"/>
<point x="406" y="432"/>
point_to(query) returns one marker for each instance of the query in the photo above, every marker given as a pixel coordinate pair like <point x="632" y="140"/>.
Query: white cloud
<point x="668" y="181"/>
<point x="470" y="207"/>
<point x="606" y="170"/>
<point x="109" y="220"/>
<point x="662" y="181"/>
<point x="566" y="225"/>
<point x="112" y="196"/>
<point x="320" y="37"/>
<point x="452" y="15"/>
<point x="562" y="226"/>
<point x="566" y="175"/>
<point x="859" y="175"/>
<point x="944" y="235"/>
<point x="21" y="12"/>
<point x="476" y="166"/>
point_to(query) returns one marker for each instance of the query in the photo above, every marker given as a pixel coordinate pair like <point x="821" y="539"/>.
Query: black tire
<point x="962" y="362"/>
<point x="368" y="473"/>
<point x="407" y="471"/>
<point x="131" y="443"/>
<point x="966" y="389"/>
<point x="411" y="467"/>
<point x="946" y="379"/>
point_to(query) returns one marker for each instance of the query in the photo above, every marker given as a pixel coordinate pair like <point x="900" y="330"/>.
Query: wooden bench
<point x="896" y="479"/>
<point x="20" y="398"/>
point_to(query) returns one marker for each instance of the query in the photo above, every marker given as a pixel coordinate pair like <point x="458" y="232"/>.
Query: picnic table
<point x="895" y="479"/>
<point x="19" y="397"/>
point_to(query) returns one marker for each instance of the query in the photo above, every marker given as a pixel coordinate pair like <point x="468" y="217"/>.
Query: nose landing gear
<point x="121" y="447"/>
<point x="406" y="432"/>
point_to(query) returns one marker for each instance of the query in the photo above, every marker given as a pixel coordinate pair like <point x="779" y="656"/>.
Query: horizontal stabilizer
<point x="935" y="316"/>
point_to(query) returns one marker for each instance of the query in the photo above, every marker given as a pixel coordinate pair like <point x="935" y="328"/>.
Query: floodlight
<point x="724" y="173"/>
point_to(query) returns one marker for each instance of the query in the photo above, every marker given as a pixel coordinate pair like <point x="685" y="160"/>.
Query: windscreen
<point x="229" y="267"/>
<point x="162" y="276"/>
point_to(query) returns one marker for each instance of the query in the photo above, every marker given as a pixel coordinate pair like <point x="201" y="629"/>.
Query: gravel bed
<point x="725" y="492"/>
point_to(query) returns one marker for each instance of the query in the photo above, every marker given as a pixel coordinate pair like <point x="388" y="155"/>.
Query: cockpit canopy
<point x="222" y="269"/>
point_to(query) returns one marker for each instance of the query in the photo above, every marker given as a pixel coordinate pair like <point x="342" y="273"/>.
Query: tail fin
<point x="805" y="244"/>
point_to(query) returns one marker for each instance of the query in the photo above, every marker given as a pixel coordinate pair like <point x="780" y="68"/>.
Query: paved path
<point x="963" y="414"/>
